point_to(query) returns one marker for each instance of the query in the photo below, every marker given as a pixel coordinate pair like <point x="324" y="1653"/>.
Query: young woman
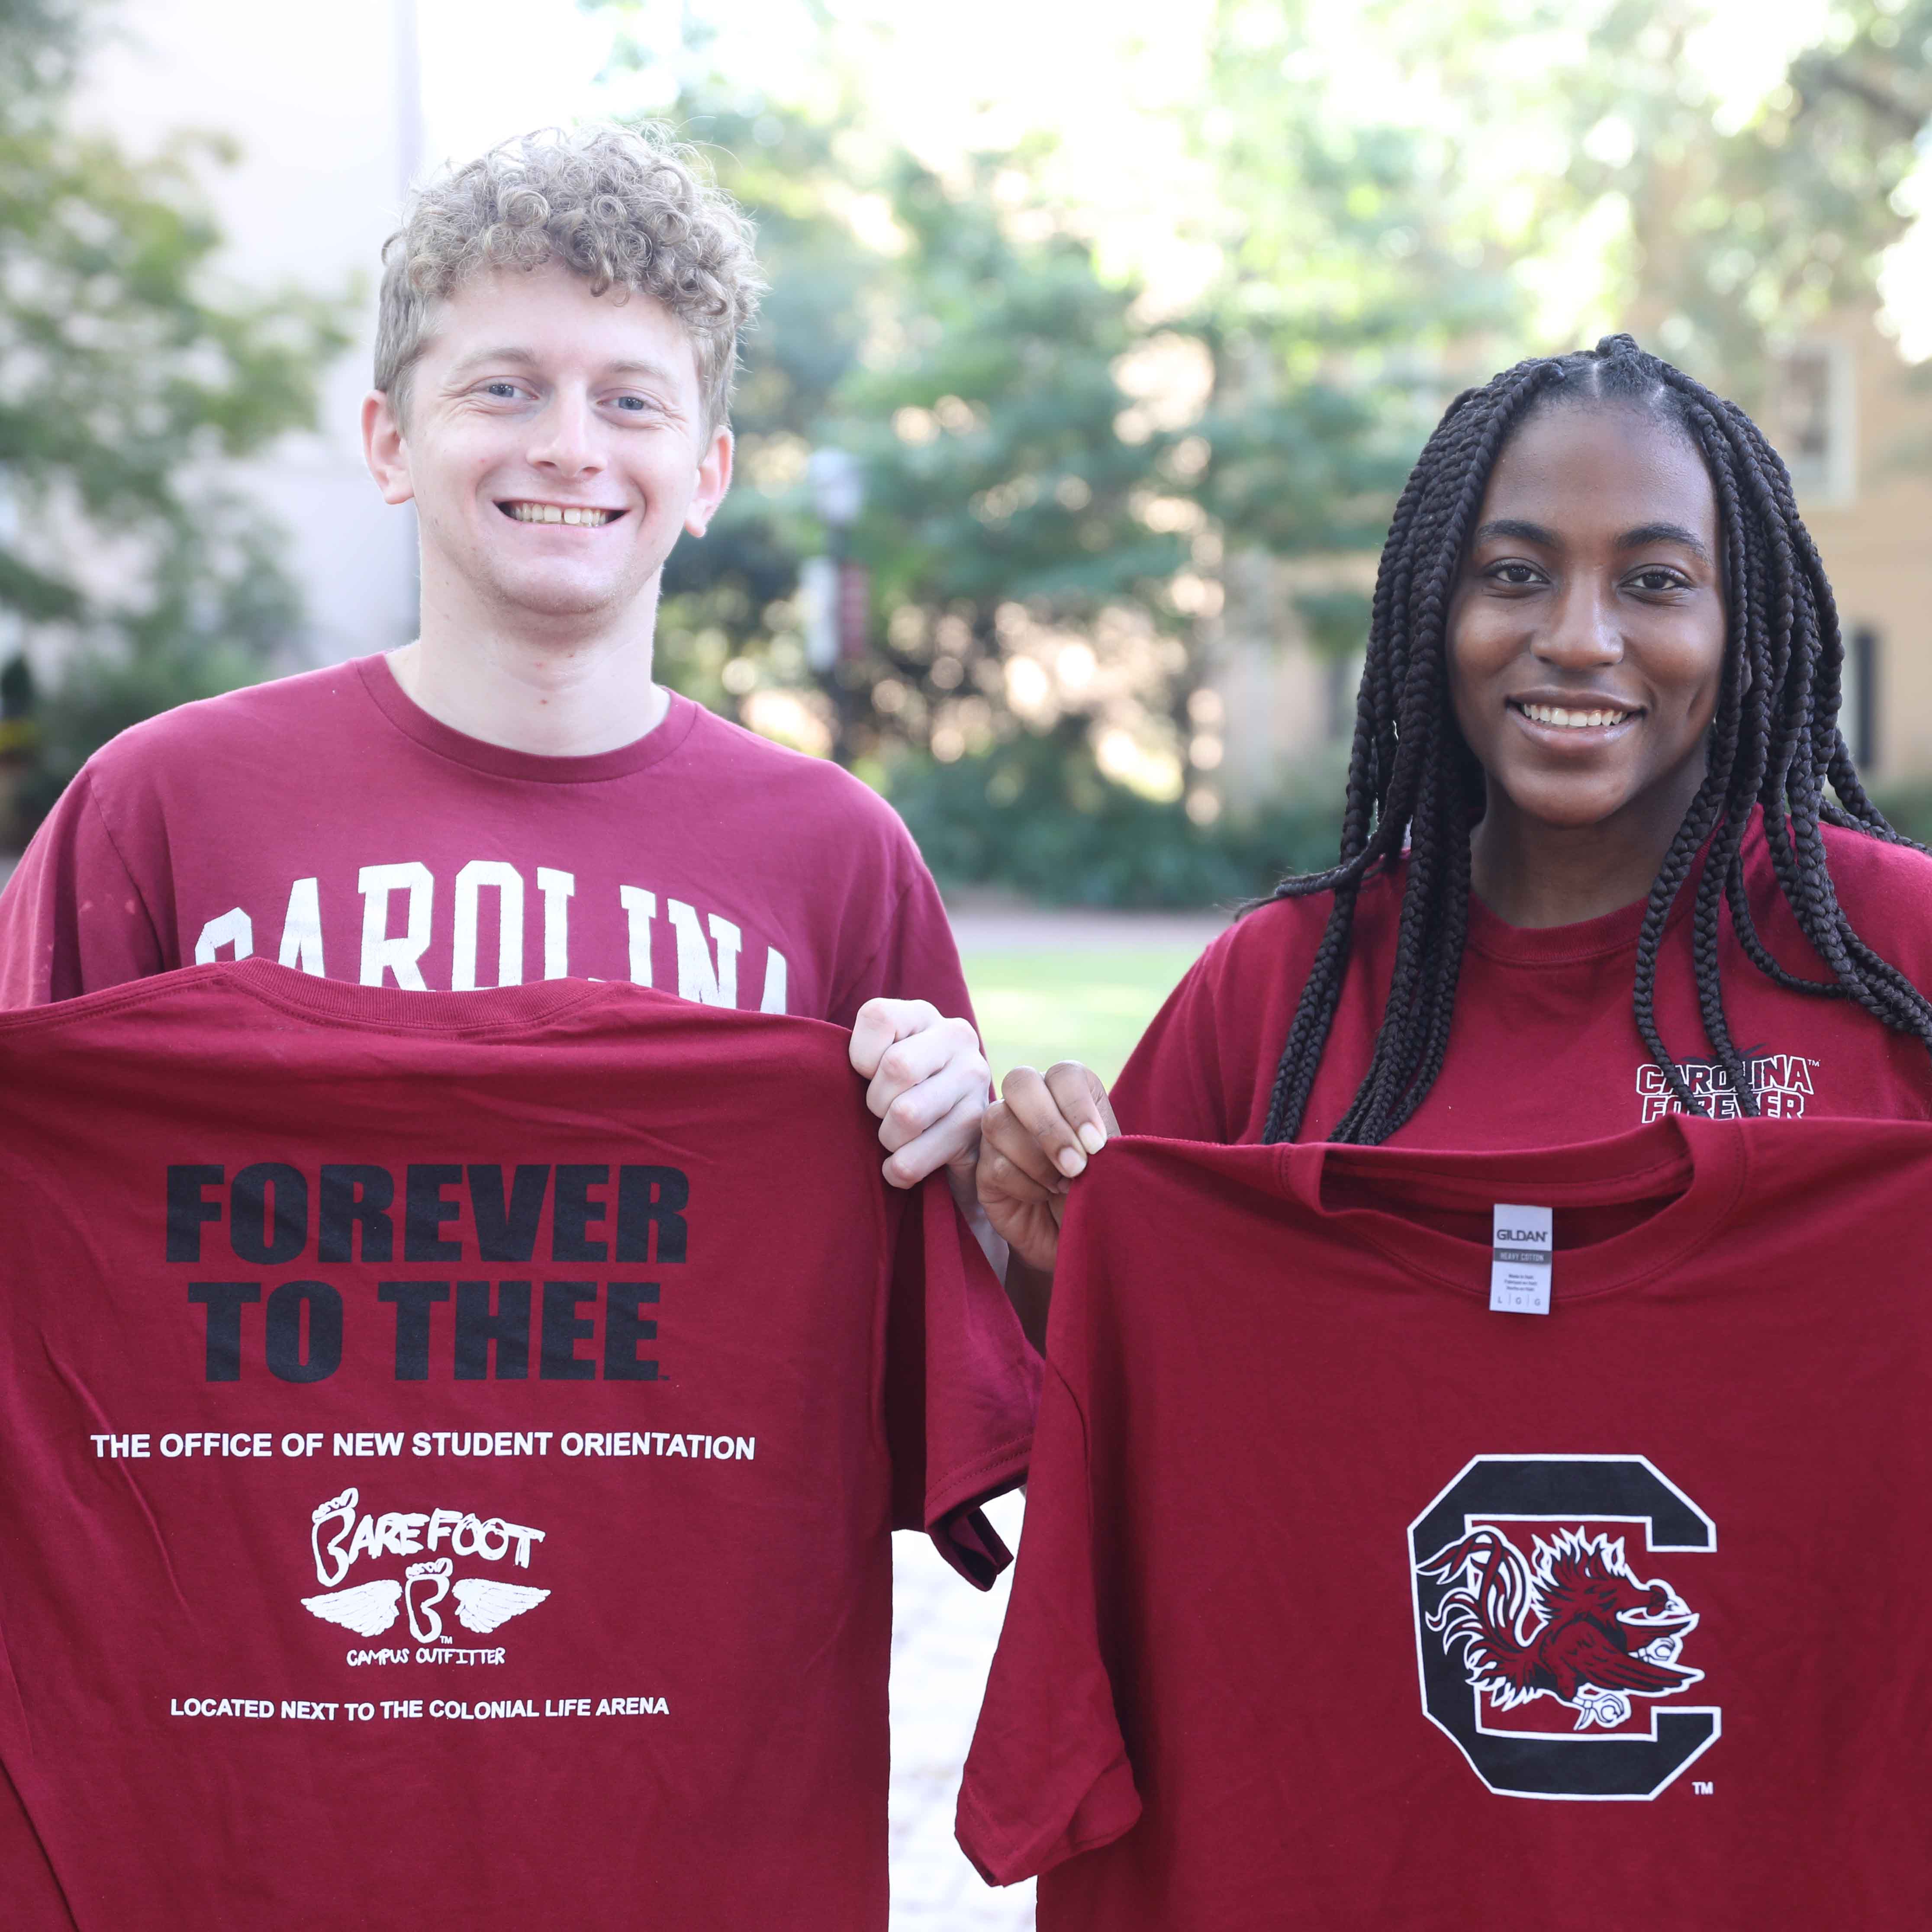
<point x="1604" y="854"/>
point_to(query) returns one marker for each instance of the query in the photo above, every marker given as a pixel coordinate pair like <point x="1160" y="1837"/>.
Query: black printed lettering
<point x="189" y="1207"/>
<point x="651" y="1198"/>
<point x="352" y="1198"/>
<point x="563" y="1329"/>
<point x="573" y="1213"/>
<point x="252" y="1234"/>
<point x="287" y="1358"/>
<point x="625" y="1328"/>
<point x="413" y="1301"/>
<point x="507" y="1232"/>
<point x="426" y="1209"/>
<point x="224" y="1300"/>
<point x="477" y="1326"/>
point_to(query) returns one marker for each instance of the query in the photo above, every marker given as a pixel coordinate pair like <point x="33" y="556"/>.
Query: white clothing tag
<point x="1521" y="1260"/>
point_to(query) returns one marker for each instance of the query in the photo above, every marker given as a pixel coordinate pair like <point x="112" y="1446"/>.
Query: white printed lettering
<point x="301" y="929"/>
<point x="641" y="907"/>
<point x="696" y="980"/>
<point x="774" y="1001"/>
<point x="557" y="888"/>
<point x="470" y="882"/>
<point x="233" y="928"/>
<point x="399" y="956"/>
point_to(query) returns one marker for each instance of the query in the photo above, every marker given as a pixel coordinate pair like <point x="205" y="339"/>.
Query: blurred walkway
<point x="943" y="1631"/>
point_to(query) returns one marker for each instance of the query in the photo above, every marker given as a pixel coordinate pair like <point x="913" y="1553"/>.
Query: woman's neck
<point x="1531" y="873"/>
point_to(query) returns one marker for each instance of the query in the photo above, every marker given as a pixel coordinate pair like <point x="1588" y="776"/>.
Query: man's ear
<point x="714" y="478"/>
<point x="385" y="449"/>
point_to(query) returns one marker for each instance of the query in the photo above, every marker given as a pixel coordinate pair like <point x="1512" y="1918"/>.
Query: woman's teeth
<point x="556" y="513"/>
<point x="1571" y="720"/>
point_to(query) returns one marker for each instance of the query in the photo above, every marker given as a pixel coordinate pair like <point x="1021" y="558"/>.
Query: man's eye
<point x="504" y="391"/>
<point x="636" y="403"/>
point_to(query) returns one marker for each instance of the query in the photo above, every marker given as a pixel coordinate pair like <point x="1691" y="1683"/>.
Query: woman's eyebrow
<point x="1654" y="533"/>
<point x="1523" y="532"/>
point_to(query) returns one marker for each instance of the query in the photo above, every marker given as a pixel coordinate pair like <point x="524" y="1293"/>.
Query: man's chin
<point x="561" y="599"/>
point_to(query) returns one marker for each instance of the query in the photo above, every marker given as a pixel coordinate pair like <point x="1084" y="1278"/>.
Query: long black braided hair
<point x="1412" y="782"/>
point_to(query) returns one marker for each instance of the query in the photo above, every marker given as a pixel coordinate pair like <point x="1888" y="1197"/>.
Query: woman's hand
<point x="1035" y="1139"/>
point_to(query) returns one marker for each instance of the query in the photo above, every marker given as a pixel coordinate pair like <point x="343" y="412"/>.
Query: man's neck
<point x="556" y="691"/>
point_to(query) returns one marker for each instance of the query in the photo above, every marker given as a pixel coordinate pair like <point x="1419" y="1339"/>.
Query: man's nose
<point x="565" y="439"/>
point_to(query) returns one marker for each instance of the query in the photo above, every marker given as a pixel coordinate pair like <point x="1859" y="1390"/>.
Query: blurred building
<point x="323" y="105"/>
<point x="1854" y="422"/>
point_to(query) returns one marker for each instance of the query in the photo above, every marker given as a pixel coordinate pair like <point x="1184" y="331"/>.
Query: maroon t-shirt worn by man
<point x="330" y="823"/>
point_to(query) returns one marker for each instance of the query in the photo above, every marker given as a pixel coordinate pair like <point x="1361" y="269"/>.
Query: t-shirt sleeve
<point x="72" y="919"/>
<point x="962" y="1385"/>
<point x="916" y="957"/>
<point x="1048" y="1776"/>
<point x="1172" y="1084"/>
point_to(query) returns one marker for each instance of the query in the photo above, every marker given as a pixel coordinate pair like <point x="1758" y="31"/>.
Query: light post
<point x="835" y="588"/>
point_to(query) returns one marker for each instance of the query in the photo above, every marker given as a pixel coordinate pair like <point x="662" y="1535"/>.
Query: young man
<point x="511" y="796"/>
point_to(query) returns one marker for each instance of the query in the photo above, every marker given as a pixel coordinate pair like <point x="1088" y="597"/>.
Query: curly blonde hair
<point x="623" y="208"/>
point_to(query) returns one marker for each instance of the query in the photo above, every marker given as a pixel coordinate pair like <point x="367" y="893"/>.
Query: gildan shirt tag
<point x="1522" y="1259"/>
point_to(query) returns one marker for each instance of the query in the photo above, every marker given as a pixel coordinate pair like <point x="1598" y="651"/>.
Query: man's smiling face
<point x="554" y="443"/>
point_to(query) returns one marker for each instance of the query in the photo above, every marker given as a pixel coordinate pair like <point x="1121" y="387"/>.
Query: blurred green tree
<point x="123" y="377"/>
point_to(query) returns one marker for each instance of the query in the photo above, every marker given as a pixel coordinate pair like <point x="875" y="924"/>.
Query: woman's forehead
<point x="1610" y="465"/>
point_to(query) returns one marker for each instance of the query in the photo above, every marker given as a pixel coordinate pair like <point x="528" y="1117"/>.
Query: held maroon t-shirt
<point x="1347" y="1604"/>
<point x="452" y="1443"/>
<point x="328" y="822"/>
<point x="1544" y="1049"/>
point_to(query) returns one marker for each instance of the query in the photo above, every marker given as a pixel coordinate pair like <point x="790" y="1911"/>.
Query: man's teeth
<point x="1572" y="721"/>
<point x="556" y="513"/>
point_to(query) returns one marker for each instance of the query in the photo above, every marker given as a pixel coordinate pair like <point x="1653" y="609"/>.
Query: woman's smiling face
<point x="1587" y="632"/>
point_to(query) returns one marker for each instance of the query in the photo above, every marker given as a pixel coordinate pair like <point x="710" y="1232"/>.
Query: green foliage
<point x="1035" y="815"/>
<point x="121" y="376"/>
<point x="1909" y="807"/>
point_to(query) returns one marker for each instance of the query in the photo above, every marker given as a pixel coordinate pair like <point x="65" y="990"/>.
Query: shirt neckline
<point x="1707" y="1159"/>
<point x="669" y="732"/>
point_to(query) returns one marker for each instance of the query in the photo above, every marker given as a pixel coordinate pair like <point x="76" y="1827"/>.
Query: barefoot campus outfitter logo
<point x="339" y="1536"/>
<point x="1547" y="1640"/>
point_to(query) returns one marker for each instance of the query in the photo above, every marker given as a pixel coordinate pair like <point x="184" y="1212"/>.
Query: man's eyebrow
<point x="529" y="358"/>
<point x="523" y="358"/>
<point x="1645" y="534"/>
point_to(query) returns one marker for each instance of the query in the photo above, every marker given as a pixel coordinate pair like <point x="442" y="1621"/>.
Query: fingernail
<point x="1091" y="1137"/>
<point x="1072" y="1160"/>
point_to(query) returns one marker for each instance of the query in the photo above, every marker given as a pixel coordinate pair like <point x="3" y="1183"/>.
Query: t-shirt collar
<point x="1703" y="1163"/>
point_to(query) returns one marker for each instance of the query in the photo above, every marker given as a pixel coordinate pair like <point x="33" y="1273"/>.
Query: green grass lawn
<point x="1037" y="1005"/>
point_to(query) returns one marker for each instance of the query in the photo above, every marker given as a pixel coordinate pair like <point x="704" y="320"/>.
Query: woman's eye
<point x="1657" y="581"/>
<point x="1514" y="574"/>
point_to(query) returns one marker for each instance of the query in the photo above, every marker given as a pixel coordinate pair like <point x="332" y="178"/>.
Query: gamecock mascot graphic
<point x="1575" y="1625"/>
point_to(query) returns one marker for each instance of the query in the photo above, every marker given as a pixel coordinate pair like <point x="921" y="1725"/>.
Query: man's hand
<point x="1035" y="1139"/>
<point x="929" y="1088"/>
